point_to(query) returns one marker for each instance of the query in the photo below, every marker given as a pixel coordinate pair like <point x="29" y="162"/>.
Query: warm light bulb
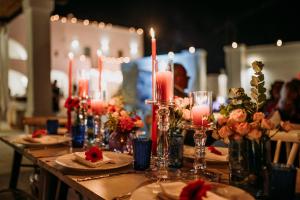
<point x="140" y="31"/>
<point x="101" y="25"/>
<point x="73" y="20"/>
<point x="171" y="55"/>
<point x="192" y="49"/>
<point x="234" y="45"/>
<point x="71" y="55"/>
<point x="279" y="43"/>
<point x="86" y="22"/>
<point x="63" y="20"/>
<point x="152" y="33"/>
<point x="131" y="30"/>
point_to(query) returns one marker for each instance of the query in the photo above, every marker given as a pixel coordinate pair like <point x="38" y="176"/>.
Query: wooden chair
<point x="291" y="140"/>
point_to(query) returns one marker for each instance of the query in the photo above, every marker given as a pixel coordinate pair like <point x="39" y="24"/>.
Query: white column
<point x="37" y="19"/>
<point x="202" y="70"/>
<point x="235" y="60"/>
<point x="4" y="96"/>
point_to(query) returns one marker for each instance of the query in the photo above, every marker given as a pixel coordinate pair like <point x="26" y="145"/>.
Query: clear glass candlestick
<point x="201" y="110"/>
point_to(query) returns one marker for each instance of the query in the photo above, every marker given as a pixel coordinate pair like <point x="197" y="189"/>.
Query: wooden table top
<point x="104" y="188"/>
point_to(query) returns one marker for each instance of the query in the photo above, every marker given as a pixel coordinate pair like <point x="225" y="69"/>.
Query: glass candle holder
<point x="201" y="109"/>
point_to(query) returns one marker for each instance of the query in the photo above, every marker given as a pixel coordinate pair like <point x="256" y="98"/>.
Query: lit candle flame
<point x="152" y="33"/>
<point x="71" y="55"/>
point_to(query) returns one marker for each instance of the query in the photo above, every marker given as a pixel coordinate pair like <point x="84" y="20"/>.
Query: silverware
<point x="103" y="176"/>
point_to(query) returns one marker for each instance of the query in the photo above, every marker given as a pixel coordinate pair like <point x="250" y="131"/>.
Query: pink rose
<point x="186" y="114"/>
<point x="254" y="134"/>
<point x="225" y="132"/>
<point x="222" y="120"/>
<point x="267" y="124"/>
<point x="258" y="116"/>
<point x="238" y="115"/>
<point x="123" y="113"/>
<point x="242" y="128"/>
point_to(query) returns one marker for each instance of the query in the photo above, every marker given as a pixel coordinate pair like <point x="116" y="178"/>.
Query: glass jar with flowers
<point x="246" y="130"/>
<point x="121" y="126"/>
<point x="179" y="114"/>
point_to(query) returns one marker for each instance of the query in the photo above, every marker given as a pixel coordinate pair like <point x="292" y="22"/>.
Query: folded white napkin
<point x="172" y="191"/>
<point x="45" y="139"/>
<point x="212" y="156"/>
<point x="80" y="157"/>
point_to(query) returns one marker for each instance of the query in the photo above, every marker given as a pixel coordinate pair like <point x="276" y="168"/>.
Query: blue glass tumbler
<point x="141" y="153"/>
<point x="78" y="132"/>
<point x="52" y="126"/>
<point x="282" y="182"/>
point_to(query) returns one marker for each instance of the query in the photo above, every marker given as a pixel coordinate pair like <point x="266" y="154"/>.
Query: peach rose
<point x="115" y="114"/>
<point x="254" y="134"/>
<point x="186" y="114"/>
<point x="258" y="116"/>
<point x="238" y="115"/>
<point x="237" y="137"/>
<point x="225" y="131"/>
<point x="123" y="113"/>
<point x="242" y="128"/>
<point x="222" y="120"/>
<point x="139" y="124"/>
<point x="254" y="124"/>
<point x="267" y="124"/>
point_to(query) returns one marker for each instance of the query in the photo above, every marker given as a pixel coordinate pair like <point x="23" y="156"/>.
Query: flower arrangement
<point x="120" y="120"/>
<point x="180" y="113"/>
<point x="241" y="117"/>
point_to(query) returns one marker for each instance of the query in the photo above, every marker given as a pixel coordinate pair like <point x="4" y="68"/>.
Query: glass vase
<point x="175" y="149"/>
<point x="250" y="164"/>
<point x="120" y="142"/>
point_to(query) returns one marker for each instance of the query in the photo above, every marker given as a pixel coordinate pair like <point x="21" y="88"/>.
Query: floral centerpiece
<point x="120" y="124"/>
<point x="246" y="130"/>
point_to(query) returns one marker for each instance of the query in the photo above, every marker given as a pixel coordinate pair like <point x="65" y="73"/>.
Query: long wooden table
<point x="56" y="179"/>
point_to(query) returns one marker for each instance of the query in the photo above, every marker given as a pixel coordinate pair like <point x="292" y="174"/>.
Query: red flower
<point x="126" y="123"/>
<point x="111" y="108"/>
<point x="214" y="150"/>
<point x="39" y="133"/>
<point x="71" y="103"/>
<point x="94" y="154"/>
<point x="194" y="190"/>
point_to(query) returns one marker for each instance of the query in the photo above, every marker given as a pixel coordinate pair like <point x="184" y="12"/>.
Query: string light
<point x="279" y="43"/>
<point x="109" y="26"/>
<point x="192" y="49"/>
<point x="86" y="22"/>
<point x="234" y="45"/>
<point x="140" y="31"/>
<point x="171" y="55"/>
<point x="73" y="20"/>
<point x="63" y="20"/>
<point x="101" y="25"/>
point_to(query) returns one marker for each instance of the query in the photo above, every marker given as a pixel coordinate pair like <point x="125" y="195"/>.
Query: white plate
<point x="121" y="160"/>
<point x="210" y="157"/>
<point x="150" y="192"/>
<point x="42" y="141"/>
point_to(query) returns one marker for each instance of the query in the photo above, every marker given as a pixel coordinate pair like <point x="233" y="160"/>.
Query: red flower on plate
<point x="212" y="149"/>
<point x="39" y="133"/>
<point x="195" y="190"/>
<point x="94" y="154"/>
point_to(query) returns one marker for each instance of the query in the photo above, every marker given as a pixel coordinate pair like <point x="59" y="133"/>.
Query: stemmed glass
<point x="98" y="106"/>
<point x="201" y="109"/>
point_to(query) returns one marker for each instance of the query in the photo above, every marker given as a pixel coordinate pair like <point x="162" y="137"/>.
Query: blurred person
<point x="181" y="80"/>
<point x="55" y="97"/>
<point x="271" y="103"/>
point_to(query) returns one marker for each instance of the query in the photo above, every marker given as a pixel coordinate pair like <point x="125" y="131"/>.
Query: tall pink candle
<point x="100" y="66"/>
<point x="164" y="86"/>
<point x="98" y="106"/>
<point x="83" y="87"/>
<point x="198" y="112"/>
<point x="70" y="73"/>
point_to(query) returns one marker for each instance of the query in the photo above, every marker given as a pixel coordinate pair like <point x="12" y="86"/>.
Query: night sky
<point x="208" y="24"/>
